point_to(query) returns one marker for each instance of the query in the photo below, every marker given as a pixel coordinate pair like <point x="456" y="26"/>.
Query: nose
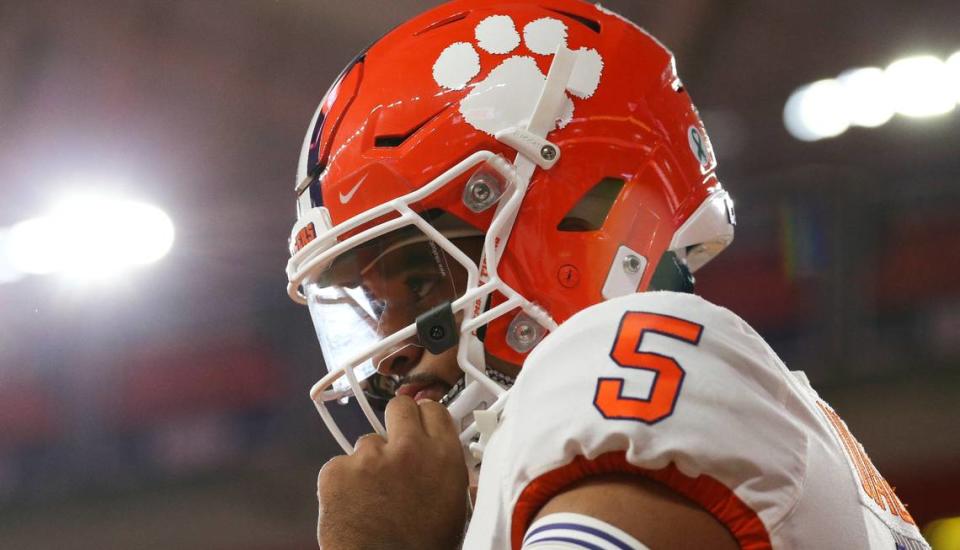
<point x="398" y="362"/>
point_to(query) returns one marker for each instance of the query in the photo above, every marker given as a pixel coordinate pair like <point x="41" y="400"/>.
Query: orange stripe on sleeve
<point x="706" y="491"/>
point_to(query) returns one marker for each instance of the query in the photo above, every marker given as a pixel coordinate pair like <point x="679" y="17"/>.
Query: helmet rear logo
<point x="507" y="97"/>
<point x="699" y="146"/>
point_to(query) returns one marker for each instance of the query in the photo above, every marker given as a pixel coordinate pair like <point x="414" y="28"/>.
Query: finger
<point x="333" y="463"/>
<point x="437" y="421"/>
<point x="403" y="419"/>
<point x="329" y="472"/>
<point x="369" y="443"/>
<point x="324" y="499"/>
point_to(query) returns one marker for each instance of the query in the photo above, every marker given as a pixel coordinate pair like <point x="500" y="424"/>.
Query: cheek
<point x="394" y="318"/>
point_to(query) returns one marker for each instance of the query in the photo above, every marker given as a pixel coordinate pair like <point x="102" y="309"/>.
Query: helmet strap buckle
<point x="536" y="149"/>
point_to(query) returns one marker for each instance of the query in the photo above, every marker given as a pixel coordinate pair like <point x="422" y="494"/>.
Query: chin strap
<point x="454" y="391"/>
<point x="500" y="378"/>
<point x="469" y="402"/>
<point x="505" y="381"/>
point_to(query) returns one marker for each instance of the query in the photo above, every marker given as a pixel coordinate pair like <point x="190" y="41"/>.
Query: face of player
<point x="409" y="283"/>
<point x="380" y="288"/>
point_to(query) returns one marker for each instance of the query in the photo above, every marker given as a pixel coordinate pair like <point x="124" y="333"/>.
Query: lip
<point x="433" y="391"/>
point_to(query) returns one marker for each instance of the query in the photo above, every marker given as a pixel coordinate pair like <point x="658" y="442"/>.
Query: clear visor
<point x="372" y="292"/>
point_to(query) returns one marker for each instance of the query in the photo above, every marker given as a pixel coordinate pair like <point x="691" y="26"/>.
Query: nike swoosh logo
<point x="344" y="199"/>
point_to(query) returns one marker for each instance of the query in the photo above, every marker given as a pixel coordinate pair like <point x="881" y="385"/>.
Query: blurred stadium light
<point x="86" y="236"/>
<point x="953" y="74"/>
<point x="874" y="105"/>
<point x="817" y="111"/>
<point x="8" y="273"/>
<point x="920" y="86"/>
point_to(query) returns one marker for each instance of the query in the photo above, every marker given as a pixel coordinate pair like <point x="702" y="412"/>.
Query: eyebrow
<point x="411" y="261"/>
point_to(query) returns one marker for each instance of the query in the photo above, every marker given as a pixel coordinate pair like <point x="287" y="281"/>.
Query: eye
<point x="421" y="286"/>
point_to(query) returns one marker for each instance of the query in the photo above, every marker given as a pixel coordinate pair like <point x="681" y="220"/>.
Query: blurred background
<point x="160" y="401"/>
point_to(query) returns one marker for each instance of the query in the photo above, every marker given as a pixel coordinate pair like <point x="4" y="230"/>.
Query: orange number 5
<point x="668" y="375"/>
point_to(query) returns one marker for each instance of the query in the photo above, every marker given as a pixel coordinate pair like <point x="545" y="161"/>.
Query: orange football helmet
<point x="554" y="133"/>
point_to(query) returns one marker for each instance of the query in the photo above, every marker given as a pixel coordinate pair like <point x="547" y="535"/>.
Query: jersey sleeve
<point x="659" y="384"/>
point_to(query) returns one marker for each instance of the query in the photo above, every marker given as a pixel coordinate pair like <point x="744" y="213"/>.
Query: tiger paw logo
<point x="506" y="98"/>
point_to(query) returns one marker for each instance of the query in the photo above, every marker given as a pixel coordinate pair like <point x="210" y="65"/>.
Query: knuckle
<point x="368" y="462"/>
<point x="367" y="443"/>
<point x="407" y="447"/>
<point x="369" y="457"/>
<point x="452" y="449"/>
<point x="432" y="406"/>
<point x="332" y="465"/>
<point x="400" y="402"/>
<point x="439" y="414"/>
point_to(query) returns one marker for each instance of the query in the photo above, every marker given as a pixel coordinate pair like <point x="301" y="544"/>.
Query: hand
<point x="408" y="492"/>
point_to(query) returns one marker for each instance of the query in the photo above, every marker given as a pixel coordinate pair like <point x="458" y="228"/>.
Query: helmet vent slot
<point x="592" y="209"/>
<point x="387" y="142"/>
<point x="591" y="24"/>
<point x="391" y="141"/>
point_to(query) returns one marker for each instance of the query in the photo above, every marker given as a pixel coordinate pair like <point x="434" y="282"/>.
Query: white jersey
<point x="671" y="387"/>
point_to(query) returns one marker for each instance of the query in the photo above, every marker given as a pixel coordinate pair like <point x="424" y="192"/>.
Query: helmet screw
<point x="524" y="332"/>
<point x="548" y="152"/>
<point x="437" y="332"/>
<point x="481" y="192"/>
<point x="632" y="264"/>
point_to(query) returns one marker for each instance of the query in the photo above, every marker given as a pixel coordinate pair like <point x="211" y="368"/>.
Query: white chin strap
<point x="476" y="405"/>
<point x="532" y="142"/>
